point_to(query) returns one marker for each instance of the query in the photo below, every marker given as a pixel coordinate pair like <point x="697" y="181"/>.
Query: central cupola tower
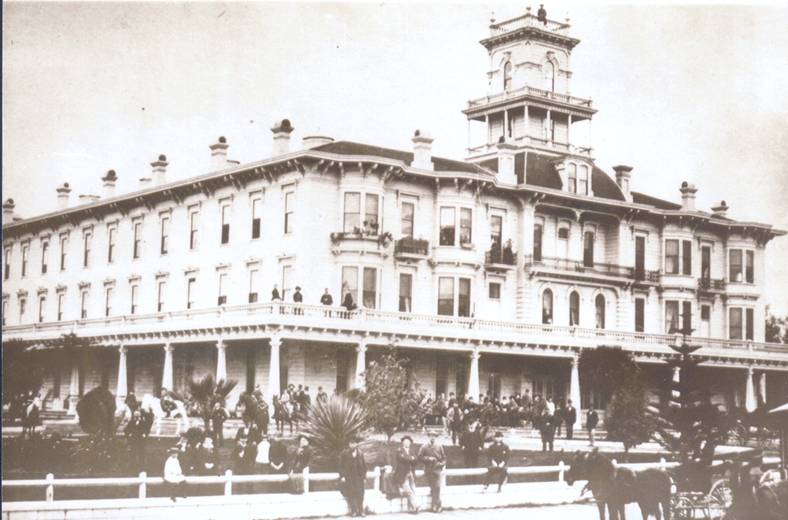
<point x="529" y="104"/>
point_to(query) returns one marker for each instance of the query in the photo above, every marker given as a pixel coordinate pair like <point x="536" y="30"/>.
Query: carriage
<point x="712" y="504"/>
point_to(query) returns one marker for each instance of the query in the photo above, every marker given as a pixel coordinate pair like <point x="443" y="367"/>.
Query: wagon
<point x="701" y="492"/>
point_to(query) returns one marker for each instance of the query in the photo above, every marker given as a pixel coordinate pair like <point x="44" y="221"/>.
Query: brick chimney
<point x="688" y="192"/>
<point x="506" y="173"/>
<point x="219" y="154"/>
<point x="8" y="211"/>
<point x="422" y="150"/>
<point x="108" y="184"/>
<point x="282" y="130"/>
<point x="160" y="170"/>
<point x="62" y="196"/>
<point x="624" y="180"/>
<point x="720" y="210"/>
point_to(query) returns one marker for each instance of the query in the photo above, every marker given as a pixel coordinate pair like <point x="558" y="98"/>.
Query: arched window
<point x="574" y="309"/>
<point x="571" y="178"/>
<point x="507" y="75"/>
<point x="600" y="311"/>
<point x="549" y="76"/>
<point x="547" y="307"/>
<point x="582" y="180"/>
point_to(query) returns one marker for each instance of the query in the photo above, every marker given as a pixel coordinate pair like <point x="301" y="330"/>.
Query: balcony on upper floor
<point x="645" y="276"/>
<point x="411" y="248"/>
<point x="500" y="258"/>
<point x="522" y="93"/>
<point x="569" y="268"/>
<point x="711" y="285"/>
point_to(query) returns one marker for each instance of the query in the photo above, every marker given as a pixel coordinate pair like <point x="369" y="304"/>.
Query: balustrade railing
<point x="531" y="91"/>
<point x="528" y="20"/>
<point x="502" y="256"/>
<point x="711" y="284"/>
<point x="647" y="276"/>
<point x="578" y="266"/>
<point x="412" y="246"/>
<point x="363" y="318"/>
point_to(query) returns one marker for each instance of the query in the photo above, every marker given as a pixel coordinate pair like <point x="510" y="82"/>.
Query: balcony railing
<point x="412" y="246"/>
<point x="647" y="276"/>
<point x="711" y="284"/>
<point x="528" y="20"/>
<point x="291" y="314"/>
<point x="529" y="91"/>
<point x="500" y="256"/>
<point x="578" y="266"/>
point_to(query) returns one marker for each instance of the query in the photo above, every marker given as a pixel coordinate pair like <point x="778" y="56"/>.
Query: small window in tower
<point x="507" y="75"/>
<point x="549" y="76"/>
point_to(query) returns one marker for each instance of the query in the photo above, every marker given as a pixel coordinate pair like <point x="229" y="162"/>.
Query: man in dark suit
<point x="570" y="416"/>
<point x="498" y="453"/>
<point x="353" y="474"/>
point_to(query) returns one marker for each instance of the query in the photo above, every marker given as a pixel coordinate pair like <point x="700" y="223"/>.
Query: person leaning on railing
<point x="174" y="480"/>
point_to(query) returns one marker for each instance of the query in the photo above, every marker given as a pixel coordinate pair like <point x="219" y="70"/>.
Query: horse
<point x="258" y="414"/>
<point x="153" y="405"/>
<point x="616" y="486"/>
<point x="283" y="413"/>
<point x="30" y="415"/>
<point x="756" y="501"/>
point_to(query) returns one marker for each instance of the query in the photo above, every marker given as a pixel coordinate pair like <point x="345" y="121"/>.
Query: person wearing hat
<point x="498" y="453"/>
<point x="298" y="298"/>
<point x="353" y="475"/>
<point x="434" y="459"/>
<point x="404" y="474"/>
<point x="277" y="454"/>
<point x="174" y="480"/>
<point x="301" y="459"/>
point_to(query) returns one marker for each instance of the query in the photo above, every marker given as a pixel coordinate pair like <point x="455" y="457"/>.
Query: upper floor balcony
<point x="576" y="267"/>
<point x="500" y="258"/>
<point x="529" y="20"/>
<point x="312" y="321"/>
<point x="409" y="247"/>
<point x="525" y="92"/>
<point x="709" y="285"/>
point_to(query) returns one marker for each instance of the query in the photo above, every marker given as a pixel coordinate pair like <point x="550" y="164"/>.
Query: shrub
<point x="331" y="426"/>
<point x="96" y="412"/>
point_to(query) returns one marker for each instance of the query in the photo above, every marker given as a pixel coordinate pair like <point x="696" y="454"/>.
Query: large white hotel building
<point x="491" y="273"/>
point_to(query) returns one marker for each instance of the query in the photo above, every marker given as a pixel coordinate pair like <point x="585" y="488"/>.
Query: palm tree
<point x="331" y="426"/>
<point x="206" y="393"/>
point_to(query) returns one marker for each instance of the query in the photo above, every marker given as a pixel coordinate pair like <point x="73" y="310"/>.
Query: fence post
<point x="50" y="487"/>
<point x="561" y="471"/>
<point x="662" y="462"/>
<point x="228" y="486"/>
<point x="615" y="463"/>
<point x="376" y="484"/>
<point x="143" y="487"/>
<point x="443" y="479"/>
<point x="306" y="480"/>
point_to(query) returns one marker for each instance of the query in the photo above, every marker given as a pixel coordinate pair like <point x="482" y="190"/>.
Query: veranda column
<point x="749" y="395"/>
<point x="473" y="377"/>
<point x="273" y="369"/>
<point x="166" y="378"/>
<point x="361" y="364"/>
<point x="73" y="391"/>
<point x="123" y="388"/>
<point x="574" y="389"/>
<point x="762" y="388"/>
<point x="221" y="360"/>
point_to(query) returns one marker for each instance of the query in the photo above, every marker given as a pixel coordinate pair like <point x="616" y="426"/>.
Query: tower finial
<point x="492" y="17"/>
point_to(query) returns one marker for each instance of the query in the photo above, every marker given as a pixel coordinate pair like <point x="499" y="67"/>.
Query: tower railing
<point x="532" y="91"/>
<point x="529" y="20"/>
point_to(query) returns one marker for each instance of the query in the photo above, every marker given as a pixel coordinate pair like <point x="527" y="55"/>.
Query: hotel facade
<point x="491" y="273"/>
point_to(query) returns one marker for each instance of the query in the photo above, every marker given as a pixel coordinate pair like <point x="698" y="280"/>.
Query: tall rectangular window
<point x="350" y="283"/>
<point x="83" y="304"/>
<point x="111" y="244"/>
<point x="108" y="292"/>
<point x="671" y="257"/>
<point x="191" y="292"/>
<point x="286" y="272"/>
<point x="405" y="292"/>
<point x="705" y="263"/>
<point x="494" y="291"/>
<point x="44" y="256"/>
<point x="222" y="289"/>
<point x="63" y="250"/>
<point x="588" y="249"/>
<point x="466" y="226"/>
<point x="582" y="180"/>
<point x="25" y="252"/>
<point x="289" y="209"/>
<point x="137" y="239"/>
<point x="686" y="257"/>
<point x="42" y="300"/>
<point x="538" y="243"/>
<point x="7" y="264"/>
<point x="254" y="276"/>
<point x="735" y="265"/>
<point x="61" y="297"/>
<point x="496" y="233"/>
<point x="225" y="224"/>
<point x="135" y="289"/>
<point x="194" y="223"/>
<point x="671" y="317"/>
<point x="736" y="328"/>
<point x="371" y="213"/>
<point x="162" y="292"/>
<point x="164" y="247"/>
<point x="352" y="212"/>
<point x="571" y="177"/>
<point x="640" y="258"/>
<point x="22" y="309"/>
<point x="640" y="315"/>
<point x="88" y="242"/>
<point x="749" y="273"/>
<point x="370" y="287"/>
<point x="406" y="221"/>
<point x="686" y="316"/>
<point x="750" y="324"/>
<point x="446" y="296"/>
<point x="447" y="227"/>
<point x="464" y="298"/>
<point x="5" y="311"/>
<point x="257" y="209"/>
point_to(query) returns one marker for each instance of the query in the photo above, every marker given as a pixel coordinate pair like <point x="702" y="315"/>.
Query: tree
<point x="96" y="411"/>
<point x="613" y="373"/>
<point x="332" y="425"/>
<point x="206" y="393"/>
<point x="776" y="328"/>
<point x="392" y="403"/>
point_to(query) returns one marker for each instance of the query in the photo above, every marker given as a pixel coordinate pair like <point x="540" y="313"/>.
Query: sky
<point x="695" y="93"/>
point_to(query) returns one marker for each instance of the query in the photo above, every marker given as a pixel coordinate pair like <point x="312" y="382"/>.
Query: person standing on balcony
<point x="570" y="416"/>
<point x="434" y="460"/>
<point x="298" y="298"/>
<point x="498" y="453"/>
<point x="541" y="14"/>
<point x="326" y="299"/>
<point x="348" y="302"/>
<point x="592" y="419"/>
<point x="353" y="476"/>
<point x="275" y="294"/>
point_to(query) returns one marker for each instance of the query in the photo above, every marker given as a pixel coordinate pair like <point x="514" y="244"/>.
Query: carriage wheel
<point x="720" y="499"/>
<point x="682" y="507"/>
<point x="737" y="435"/>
